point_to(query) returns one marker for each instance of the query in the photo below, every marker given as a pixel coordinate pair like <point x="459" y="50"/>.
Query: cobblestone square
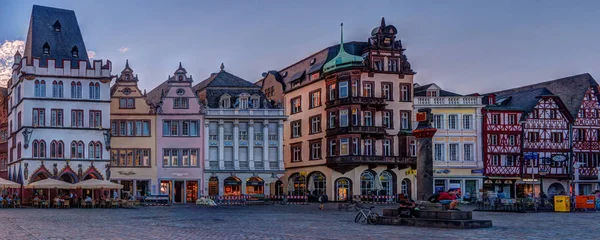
<point x="271" y="222"/>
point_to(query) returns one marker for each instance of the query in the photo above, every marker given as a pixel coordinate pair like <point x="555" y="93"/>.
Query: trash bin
<point x="562" y="204"/>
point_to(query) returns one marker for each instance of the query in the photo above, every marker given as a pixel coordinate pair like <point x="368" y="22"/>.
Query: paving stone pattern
<point x="271" y="222"/>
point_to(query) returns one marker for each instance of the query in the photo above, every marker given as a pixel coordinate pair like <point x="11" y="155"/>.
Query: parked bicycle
<point x="367" y="215"/>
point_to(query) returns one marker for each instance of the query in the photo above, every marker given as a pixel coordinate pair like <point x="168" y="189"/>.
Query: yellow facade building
<point x="457" y="143"/>
<point x="133" y="160"/>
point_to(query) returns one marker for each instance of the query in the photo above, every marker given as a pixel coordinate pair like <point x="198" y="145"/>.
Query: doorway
<point x="178" y="191"/>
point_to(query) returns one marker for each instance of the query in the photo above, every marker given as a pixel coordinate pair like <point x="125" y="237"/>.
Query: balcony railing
<point x="450" y="101"/>
<point x="361" y="159"/>
<point x="369" y="130"/>
<point x="364" y="101"/>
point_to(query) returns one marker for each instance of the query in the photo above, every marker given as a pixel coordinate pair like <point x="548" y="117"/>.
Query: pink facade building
<point x="178" y="140"/>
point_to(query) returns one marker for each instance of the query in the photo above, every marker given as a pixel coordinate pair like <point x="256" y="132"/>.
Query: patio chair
<point x="102" y="204"/>
<point x="56" y="204"/>
<point x="45" y="204"/>
<point x="17" y="204"/>
<point x="3" y="203"/>
<point x="114" y="204"/>
<point x="66" y="204"/>
<point x="136" y="203"/>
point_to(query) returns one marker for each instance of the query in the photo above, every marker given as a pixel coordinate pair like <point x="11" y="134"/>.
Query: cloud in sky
<point x="91" y="54"/>
<point x="123" y="49"/>
<point x="7" y="53"/>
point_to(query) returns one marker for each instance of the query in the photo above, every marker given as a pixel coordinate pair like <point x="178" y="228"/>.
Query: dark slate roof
<point x="41" y="30"/>
<point x="571" y="90"/>
<point x="155" y="95"/>
<point x="523" y="101"/>
<point x="213" y="96"/>
<point x="421" y="91"/>
<point x="304" y="66"/>
<point x="224" y="79"/>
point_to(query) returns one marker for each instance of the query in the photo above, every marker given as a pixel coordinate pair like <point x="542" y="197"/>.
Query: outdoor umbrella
<point x="50" y="183"/>
<point x="97" y="184"/>
<point x="8" y="184"/>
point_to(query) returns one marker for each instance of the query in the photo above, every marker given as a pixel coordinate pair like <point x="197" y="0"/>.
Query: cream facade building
<point x="133" y="142"/>
<point x="457" y="145"/>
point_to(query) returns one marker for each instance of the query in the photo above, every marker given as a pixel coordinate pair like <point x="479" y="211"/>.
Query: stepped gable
<point x="57" y="29"/>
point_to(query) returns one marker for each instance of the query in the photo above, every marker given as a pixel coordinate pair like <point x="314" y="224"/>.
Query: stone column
<point x="280" y="145"/>
<point x="184" y="191"/>
<point x="236" y="145"/>
<point x="251" y="145"/>
<point x="266" y="144"/>
<point x="424" y="134"/>
<point x="221" y="145"/>
<point x="134" y="192"/>
<point x="576" y="177"/>
<point x="206" y="145"/>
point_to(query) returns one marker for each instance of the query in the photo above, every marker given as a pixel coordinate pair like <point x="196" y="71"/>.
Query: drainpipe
<point x="571" y="155"/>
<point x="521" y="153"/>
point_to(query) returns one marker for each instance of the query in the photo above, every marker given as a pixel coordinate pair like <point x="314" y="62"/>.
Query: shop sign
<point x="559" y="158"/>
<point x="477" y="171"/>
<point x="410" y="172"/>
<point x="179" y="174"/>
<point x="445" y="171"/>
<point x="529" y="180"/>
<point x="126" y="173"/>
<point x="530" y="155"/>
<point x="255" y="183"/>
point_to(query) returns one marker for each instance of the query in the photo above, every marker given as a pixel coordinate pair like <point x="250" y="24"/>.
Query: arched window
<point x="97" y="90"/>
<point x="73" y="90"/>
<point x="255" y="101"/>
<point x="73" y="149"/>
<point x="80" y="150"/>
<point x="405" y="188"/>
<point x="242" y="101"/>
<point x="78" y="89"/>
<point x="98" y="151"/>
<point x="367" y="183"/>
<point x="42" y="88"/>
<point x="42" y="150"/>
<point x="297" y="185"/>
<point x="279" y="188"/>
<point x="91" y="150"/>
<point x="35" y="148"/>
<point x="60" y="89"/>
<point x="92" y="91"/>
<point x="57" y="26"/>
<point x="60" y="149"/>
<point x="387" y="183"/>
<point x="75" y="52"/>
<point x="343" y="189"/>
<point x="46" y="48"/>
<point x="225" y="101"/>
<point x="53" y="149"/>
<point x="213" y="186"/>
<point x="36" y="87"/>
<point x="317" y="184"/>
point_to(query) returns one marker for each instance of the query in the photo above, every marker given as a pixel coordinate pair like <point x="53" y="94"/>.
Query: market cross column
<point x="424" y="134"/>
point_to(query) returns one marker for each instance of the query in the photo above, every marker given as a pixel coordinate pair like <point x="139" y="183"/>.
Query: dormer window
<point x="57" y="26"/>
<point x="432" y="93"/>
<point x="393" y="65"/>
<point x="491" y="100"/>
<point x="46" y="48"/>
<point x="180" y="78"/>
<point x="225" y="101"/>
<point x="255" y="101"/>
<point x="75" y="52"/>
<point x="243" y="101"/>
<point x="180" y="91"/>
<point x="378" y="65"/>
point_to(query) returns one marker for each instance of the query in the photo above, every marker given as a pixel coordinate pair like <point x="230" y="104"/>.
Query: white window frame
<point x="468" y="152"/>
<point x="453" y="121"/>
<point x="439" y="152"/>
<point x="344" y="147"/>
<point x="344" y="118"/>
<point x="454" y="151"/>
<point x="468" y="122"/>
<point x="438" y="121"/>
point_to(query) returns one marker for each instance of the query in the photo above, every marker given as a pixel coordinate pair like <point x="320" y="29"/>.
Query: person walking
<point x="322" y="200"/>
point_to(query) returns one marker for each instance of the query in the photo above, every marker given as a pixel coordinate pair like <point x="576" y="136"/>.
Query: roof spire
<point x="382" y="21"/>
<point x="222" y="67"/>
<point x="126" y="63"/>
<point x="342" y="38"/>
<point x="180" y="65"/>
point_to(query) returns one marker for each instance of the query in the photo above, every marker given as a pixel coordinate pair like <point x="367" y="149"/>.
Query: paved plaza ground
<point x="271" y="222"/>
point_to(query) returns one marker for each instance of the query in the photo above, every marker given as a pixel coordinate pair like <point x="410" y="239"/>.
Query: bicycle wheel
<point x="358" y="217"/>
<point x="373" y="218"/>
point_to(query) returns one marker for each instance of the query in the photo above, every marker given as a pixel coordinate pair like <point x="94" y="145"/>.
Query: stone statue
<point x="26" y="171"/>
<point x="107" y="172"/>
<point x="79" y="171"/>
<point x="405" y="65"/>
<point x="55" y="170"/>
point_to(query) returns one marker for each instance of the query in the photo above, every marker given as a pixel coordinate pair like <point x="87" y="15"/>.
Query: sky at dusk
<point x="463" y="46"/>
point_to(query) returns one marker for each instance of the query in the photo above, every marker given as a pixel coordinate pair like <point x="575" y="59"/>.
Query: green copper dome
<point x="342" y="59"/>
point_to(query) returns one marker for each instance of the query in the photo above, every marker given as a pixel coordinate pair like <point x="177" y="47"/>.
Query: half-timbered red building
<point x="576" y="155"/>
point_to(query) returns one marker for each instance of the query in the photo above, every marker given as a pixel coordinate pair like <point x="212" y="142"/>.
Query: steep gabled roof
<point x="224" y="79"/>
<point x="155" y="95"/>
<point x="524" y="101"/>
<point x="571" y="90"/>
<point x="41" y="31"/>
